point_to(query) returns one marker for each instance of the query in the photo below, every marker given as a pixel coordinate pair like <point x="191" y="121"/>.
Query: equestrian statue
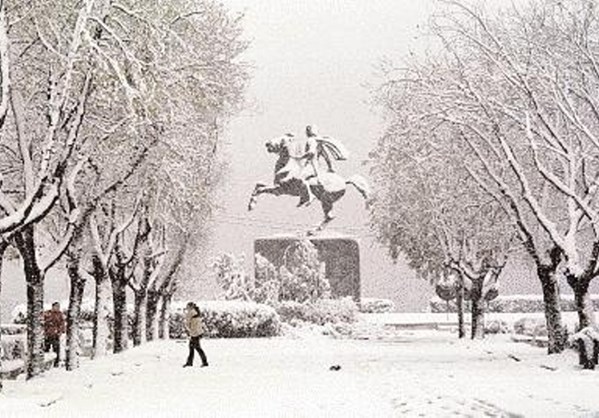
<point x="304" y="169"/>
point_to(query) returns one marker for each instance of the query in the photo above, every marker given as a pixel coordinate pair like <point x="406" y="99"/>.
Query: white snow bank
<point x="411" y="373"/>
<point x="16" y="407"/>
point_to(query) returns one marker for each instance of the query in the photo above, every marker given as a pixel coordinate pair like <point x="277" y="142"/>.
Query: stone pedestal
<point x="341" y="256"/>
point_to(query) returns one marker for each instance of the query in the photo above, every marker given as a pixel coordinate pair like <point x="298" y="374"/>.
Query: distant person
<point x="54" y="327"/>
<point x="195" y="329"/>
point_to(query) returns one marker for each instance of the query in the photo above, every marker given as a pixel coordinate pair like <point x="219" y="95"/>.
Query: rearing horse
<point x="292" y="174"/>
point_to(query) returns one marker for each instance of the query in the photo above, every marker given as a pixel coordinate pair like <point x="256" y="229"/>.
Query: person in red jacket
<point x="54" y="327"/>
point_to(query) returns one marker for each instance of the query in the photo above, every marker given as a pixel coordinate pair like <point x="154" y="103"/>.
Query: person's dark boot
<point x="204" y="365"/>
<point x="187" y="365"/>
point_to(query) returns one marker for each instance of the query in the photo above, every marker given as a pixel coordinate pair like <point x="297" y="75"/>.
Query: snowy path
<point x="413" y="374"/>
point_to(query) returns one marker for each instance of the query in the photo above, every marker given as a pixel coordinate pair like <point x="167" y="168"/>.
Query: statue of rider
<point x="317" y="147"/>
<point x="316" y="150"/>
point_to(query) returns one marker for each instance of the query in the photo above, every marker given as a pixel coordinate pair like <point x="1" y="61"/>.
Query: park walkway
<point x="418" y="373"/>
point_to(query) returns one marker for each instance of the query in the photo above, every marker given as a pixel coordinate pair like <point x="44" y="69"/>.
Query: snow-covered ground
<point x="413" y="373"/>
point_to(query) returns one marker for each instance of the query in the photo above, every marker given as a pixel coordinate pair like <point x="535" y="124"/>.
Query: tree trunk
<point x="102" y="310"/>
<point x="74" y="312"/>
<point x="3" y="246"/>
<point x="152" y="315"/>
<point x="460" y="308"/>
<point x="1" y="320"/>
<point x="478" y="312"/>
<point x="556" y="332"/>
<point x="121" y="321"/>
<point x="477" y="307"/>
<point x="164" y="320"/>
<point x="35" y="302"/>
<point x="584" y="305"/>
<point x="139" y="318"/>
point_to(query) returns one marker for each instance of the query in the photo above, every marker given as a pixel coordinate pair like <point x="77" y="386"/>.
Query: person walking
<point x="195" y="329"/>
<point x="54" y="327"/>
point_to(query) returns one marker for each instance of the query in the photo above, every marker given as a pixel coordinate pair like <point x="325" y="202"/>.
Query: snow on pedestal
<point x="340" y="254"/>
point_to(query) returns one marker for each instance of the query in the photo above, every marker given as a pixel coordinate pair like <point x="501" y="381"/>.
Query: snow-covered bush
<point x="86" y="318"/>
<point x="496" y="326"/>
<point x="302" y="276"/>
<point x="338" y="330"/>
<point x="586" y="342"/>
<point x="86" y="313"/>
<point x="13" y="347"/>
<point x="228" y="319"/>
<point x="12" y="329"/>
<point x="290" y="312"/>
<point x="319" y="312"/>
<point x="267" y="285"/>
<point x="517" y="303"/>
<point x="375" y="305"/>
<point x="85" y="339"/>
<point x="531" y="327"/>
<point x="232" y="278"/>
<point x="87" y="310"/>
<point x="19" y="314"/>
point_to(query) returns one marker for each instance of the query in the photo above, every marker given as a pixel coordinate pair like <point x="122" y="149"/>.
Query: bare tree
<point x="539" y="118"/>
<point x="515" y="90"/>
<point x="98" y="85"/>
<point x="427" y="209"/>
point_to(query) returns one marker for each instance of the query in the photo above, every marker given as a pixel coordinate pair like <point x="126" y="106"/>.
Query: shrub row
<point x="13" y="347"/>
<point x="229" y="319"/>
<point x="496" y="326"/>
<point x="12" y="329"/>
<point x="374" y="305"/>
<point x="86" y="314"/>
<point x="512" y="304"/>
<point x="536" y="327"/>
<point x="320" y="312"/>
<point x="235" y="319"/>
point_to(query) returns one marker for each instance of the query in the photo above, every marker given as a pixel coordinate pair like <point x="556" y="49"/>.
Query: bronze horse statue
<point x="293" y="176"/>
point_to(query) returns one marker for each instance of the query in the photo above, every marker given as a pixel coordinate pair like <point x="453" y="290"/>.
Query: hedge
<point x="228" y="319"/>
<point x="375" y="305"/>
<point x="513" y="304"/>
<point x="531" y="327"/>
<point x="13" y="347"/>
<point x="320" y="312"/>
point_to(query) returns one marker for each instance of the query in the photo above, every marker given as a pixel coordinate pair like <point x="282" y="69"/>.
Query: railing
<point x="13" y="351"/>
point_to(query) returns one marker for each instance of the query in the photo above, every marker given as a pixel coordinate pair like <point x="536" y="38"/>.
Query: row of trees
<point x="491" y="147"/>
<point x="110" y="115"/>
